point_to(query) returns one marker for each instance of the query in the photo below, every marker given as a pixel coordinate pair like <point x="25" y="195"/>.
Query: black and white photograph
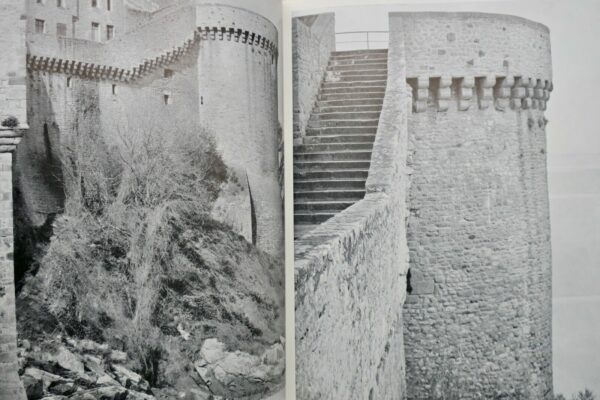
<point x="299" y="199"/>
<point x="446" y="200"/>
<point x="141" y="170"/>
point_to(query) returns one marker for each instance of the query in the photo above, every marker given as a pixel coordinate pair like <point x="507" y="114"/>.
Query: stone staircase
<point x="332" y="163"/>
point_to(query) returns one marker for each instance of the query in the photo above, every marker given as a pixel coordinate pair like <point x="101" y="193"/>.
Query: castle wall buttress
<point x="477" y="321"/>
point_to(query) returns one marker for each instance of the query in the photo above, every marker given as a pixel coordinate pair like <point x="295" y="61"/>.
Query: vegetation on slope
<point x="136" y="261"/>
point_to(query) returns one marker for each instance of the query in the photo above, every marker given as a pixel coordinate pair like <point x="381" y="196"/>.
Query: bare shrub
<point x="125" y="206"/>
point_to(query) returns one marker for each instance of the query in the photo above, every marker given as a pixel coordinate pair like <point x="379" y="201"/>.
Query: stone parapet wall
<point x="350" y="275"/>
<point x="313" y="40"/>
<point x="477" y="320"/>
<point x="350" y="285"/>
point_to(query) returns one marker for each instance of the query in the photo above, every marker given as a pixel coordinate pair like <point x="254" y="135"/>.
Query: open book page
<point x="426" y="175"/>
<point x="141" y="158"/>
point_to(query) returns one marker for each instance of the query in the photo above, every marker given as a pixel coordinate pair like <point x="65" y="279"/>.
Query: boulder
<point x="63" y="388"/>
<point x="106" y="380"/>
<point x="93" y="364"/>
<point x="69" y="361"/>
<point x="102" y="393"/>
<point x="34" y="387"/>
<point x="46" y="378"/>
<point x="130" y="379"/>
<point x="234" y="374"/>
<point x="118" y="356"/>
<point x="133" y="395"/>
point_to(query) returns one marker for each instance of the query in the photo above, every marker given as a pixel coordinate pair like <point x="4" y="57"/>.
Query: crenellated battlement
<point x="503" y="92"/>
<point x="89" y="70"/>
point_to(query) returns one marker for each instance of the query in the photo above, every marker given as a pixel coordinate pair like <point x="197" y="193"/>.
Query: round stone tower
<point x="237" y="67"/>
<point x="478" y="313"/>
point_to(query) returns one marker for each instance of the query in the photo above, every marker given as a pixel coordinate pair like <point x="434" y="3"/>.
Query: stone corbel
<point x="503" y="93"/>
<point x="422" y="94"/>
<point x="465" y="92"/>
<point x="529" y="85"/>
<point x="519" y="93"/>
<point x="444" y="93"/>
<point x="486" y="97"/>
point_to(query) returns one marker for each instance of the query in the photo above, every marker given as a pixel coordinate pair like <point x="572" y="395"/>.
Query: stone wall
<point x="12" y="71"/>
<point x="237" y="91"/>
<point x="350" y="275"/>
<point x="219" y="61"/>
<point x="12" y="103"/>
<point x="313" y="40"/>
<point x="78" y="16"/>
<point x="478" y="316"/>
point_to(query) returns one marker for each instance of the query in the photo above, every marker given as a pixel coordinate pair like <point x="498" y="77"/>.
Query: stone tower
<point x="478" y="313"/>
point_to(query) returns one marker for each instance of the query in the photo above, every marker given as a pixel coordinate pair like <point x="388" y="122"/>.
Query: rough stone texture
<point x="313" y="40"/>
<point x="350" y="276"/>
<point x="10" y="387"/>
<point x="12" y="71"/>
<point x="477" y="323"/>
<point x="462" y="44"/>
<point x="12" y="103"/>
<point x="230" y="78"/>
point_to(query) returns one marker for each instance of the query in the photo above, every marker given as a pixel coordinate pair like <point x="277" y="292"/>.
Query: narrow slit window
<point x="61" y="30"/>
<point x="167" y="99"/>
<point x="109" y="5"/>
<point x="110" y="32"/>
<point x="40" y="26"/>
<point x="95" y="31"/>
<point x="114" y="89"/>
<point x="69" y="82"/>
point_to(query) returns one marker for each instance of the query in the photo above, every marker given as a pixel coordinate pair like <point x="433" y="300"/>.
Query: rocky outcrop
<point x="66" y="368"/>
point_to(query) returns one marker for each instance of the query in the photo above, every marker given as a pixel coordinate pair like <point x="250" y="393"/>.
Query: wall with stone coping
<point x="313" y="40"/>
<point x="350" y="275"/>
<point x="477" y="321"/>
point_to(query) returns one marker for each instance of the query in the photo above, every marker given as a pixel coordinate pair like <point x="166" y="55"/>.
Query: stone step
<point x="355" y="155"/>
<point x="339" y="135"/>
<point x="359" y="53"/>
<point x="330" y="194"/>
<point x="343" y="123"/>
<point x="351" y="96"/>
<point x="346" y="84"/>
<point x="356" y="77"/>
<point x="333" y="72"/>
<point x="379" y="64"/>
<point x="342" y="131"/>
<point x="322" y="147"/>
<point x="351" y="108"/>
<point x="352" y="102"/>
<point x="345" y="115"/>
<point x="337" y="205"/>
<point x="379" y="59"/>
<point x="353" y="90"/>
<point x="314" y="184"/>
<point x="332" y="174"/>
<point x="312" y="217"/>
<point x="330" y="165"/>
